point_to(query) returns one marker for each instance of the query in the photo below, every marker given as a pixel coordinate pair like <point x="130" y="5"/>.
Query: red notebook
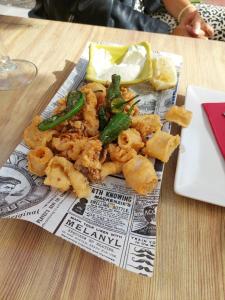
<point x="215" y="113"/>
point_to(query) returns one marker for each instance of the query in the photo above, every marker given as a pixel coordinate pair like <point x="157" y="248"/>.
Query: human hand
<point x="195" y="25"/>
<point x="183" y="31"/>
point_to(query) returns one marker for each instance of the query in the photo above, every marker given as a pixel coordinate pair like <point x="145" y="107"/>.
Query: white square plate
<point x="200" y="172"/>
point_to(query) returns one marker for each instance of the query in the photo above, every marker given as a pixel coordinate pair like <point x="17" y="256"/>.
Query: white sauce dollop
<point x="129" y="68"/>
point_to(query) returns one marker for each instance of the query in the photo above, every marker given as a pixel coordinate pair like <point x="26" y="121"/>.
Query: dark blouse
<point x="112" y="13"/>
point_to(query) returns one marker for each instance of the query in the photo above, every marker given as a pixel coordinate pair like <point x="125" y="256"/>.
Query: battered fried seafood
<point x="88" y="161"/>
<point x="104" y="135"/>
<point x="146" y="124"/>
<point x="90" y="116"/>
<point x="162" y="145"/>
<point x="61" y="174"/>
<point x="117" y="154"/>
<point x="69" y="145"/>
<point x="33" y="137"/>
<point x="38" y="160"/>
<point x="110" y="168"/>
<point x="179" y="115"/>
<point x="140" y="174"/>
<point x="130" y="138"/>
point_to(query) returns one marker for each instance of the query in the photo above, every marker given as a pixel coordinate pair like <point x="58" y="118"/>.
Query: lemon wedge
<point x="164" y="73"/>
<point x="132" y="62"/>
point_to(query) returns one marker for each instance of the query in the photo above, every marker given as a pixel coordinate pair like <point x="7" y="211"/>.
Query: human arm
<point x="175" y="7"/>
<point x="190" y="21"/>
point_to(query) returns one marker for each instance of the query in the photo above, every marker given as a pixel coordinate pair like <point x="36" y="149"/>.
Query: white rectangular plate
<point x="200" y="172"/>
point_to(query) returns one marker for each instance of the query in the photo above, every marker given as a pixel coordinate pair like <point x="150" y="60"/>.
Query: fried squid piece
<point x="179" y="115"/>
<point x="130" y="138"/>
<point x="61" y="105"/>
<point x="162" y="145"/>
<point x="57" y="173"/>
<point x="110" y="168"/>
<point x="33" y="137"/>
<point x="128" y="95"/>
<point x="38" y="160"/>
<point x="99" y="90"/>
<point x="95" y="87"/>
<point x="77" y="126"/>
<point x="88" y="161"/>
<point x="146" y="124"/>
<point x="91" y="121"/>
<point x="61" y="174"/>
<point x="79" y="145"/>
<point x="140" y="174"/>
<point x="117" y="154"/>
<point x="69" y="145"/>
<point x="62" y="142"/>
<point x="80" y="184"/>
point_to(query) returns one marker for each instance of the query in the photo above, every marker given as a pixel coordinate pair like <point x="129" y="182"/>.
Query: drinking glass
<point x="14" y="73"/>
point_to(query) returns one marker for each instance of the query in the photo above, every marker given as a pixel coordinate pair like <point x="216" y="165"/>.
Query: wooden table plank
<point x="190" y="261"/>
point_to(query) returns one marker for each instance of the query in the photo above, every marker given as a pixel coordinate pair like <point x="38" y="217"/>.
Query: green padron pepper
<point x="102" y="116"/>
<point x="75" y="102"/>
<point x="119" y="122"/>
<point x="118" y="104"/>
<point x="114" y="88"/>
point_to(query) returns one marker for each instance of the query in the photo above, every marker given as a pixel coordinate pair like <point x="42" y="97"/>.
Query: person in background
<point x="190" y="22"/>
<point x="204" y="15"/>
<point x="144" y="15"/>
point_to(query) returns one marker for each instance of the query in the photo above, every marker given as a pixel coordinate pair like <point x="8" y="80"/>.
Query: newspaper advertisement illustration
<point x="114" y="223"/>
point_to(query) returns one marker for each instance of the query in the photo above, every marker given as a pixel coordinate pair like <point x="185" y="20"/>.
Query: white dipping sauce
<point x="129" y="68"/>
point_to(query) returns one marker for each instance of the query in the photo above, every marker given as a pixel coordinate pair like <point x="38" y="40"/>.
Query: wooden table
<point x="190" y="260"/>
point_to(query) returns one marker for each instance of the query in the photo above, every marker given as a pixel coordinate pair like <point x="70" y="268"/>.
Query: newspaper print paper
<point x="115" y="223"/>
